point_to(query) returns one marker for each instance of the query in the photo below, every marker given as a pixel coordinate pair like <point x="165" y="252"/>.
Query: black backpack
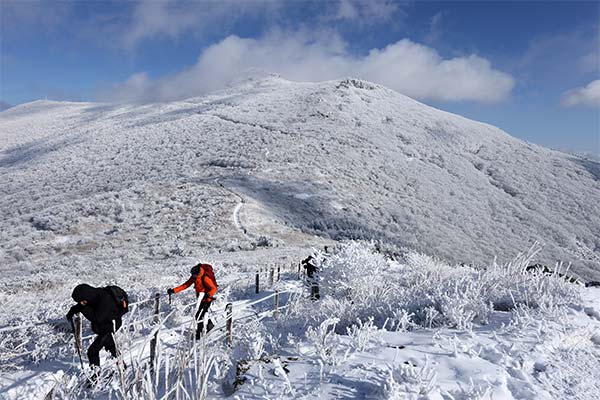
<point x="121" y="298"/>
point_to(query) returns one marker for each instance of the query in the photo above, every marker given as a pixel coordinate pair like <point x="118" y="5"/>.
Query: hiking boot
<point x="209" y="327"/>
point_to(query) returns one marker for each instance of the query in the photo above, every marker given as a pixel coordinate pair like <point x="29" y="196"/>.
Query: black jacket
<point x="309" y="264"/>
<point x="101" y="308"/>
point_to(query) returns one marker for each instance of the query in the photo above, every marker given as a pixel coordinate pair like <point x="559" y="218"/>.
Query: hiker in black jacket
<point x="99" y="306"/>
<point x="309" y="265"/>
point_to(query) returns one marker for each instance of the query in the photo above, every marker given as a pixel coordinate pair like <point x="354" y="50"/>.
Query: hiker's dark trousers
<point x="204" y="306"/>
<point x="102" y="341"/>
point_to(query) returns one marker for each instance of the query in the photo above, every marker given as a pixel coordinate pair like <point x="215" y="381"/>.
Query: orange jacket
<point x="202" y="283"/>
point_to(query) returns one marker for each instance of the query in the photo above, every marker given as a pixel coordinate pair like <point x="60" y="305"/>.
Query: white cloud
<point x="585" y="96"/>
<point x="410" y="68"/>
<point x="171" y="18"/>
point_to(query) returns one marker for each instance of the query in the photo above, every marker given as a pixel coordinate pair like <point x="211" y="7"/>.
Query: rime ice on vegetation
<point x="259" y="176"/>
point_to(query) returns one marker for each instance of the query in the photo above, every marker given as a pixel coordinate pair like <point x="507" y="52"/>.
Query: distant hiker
<point x="325" y="254"/>
<point x="309" y="264"/>
<point x="104" y="307"/>
<point x="204" y="281"/>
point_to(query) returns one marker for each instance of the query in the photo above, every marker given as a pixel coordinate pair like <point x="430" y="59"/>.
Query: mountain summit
<point x="339" y="159"/>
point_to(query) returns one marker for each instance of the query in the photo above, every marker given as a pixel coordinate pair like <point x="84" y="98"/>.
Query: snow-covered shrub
<point x="54" y="222"/>
<point x="362" y="334"/>
<point x="185" y="373"/>
<point x="263" y="241"/>
<point x="356" y="277"/>
<point x="402" y="320"/>
<point x="407" y="382"/>
<point x="324" y="340"/>
<point x="510" y="284"/>
<point x="432" y="317"/>
<point x="178" y="248"/>
<point x="27" y="344"/>
<point x="250" y="341"/>
<point x="358" y="283"/>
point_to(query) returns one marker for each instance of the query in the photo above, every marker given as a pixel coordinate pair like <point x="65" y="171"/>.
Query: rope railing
<point x="21" y="327"/>
<point x="237" y="314"/>
<point x="131" y="305"/>
<point x="222" y="315"/>
<point x="137" y="303"/>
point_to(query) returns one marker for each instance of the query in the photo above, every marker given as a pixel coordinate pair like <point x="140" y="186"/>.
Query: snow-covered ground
<point x="414" y="329"/>
<point x="259" y="175"/>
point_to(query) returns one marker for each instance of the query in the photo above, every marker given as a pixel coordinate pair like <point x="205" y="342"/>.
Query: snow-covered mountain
<point x="255" y="178"/>
<point x="342" y="159"/>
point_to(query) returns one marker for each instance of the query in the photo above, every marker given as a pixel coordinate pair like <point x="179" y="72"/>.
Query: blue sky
<point x="531" y="68"/>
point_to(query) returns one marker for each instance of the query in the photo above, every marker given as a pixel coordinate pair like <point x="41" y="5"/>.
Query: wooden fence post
<point x="271" y="277"/>
<point x="278" y="273"/>
<point x="156" y="307"/>
<point x="257" y="281"/>
<point x="229" y="316"/>
<point x="276" y="307"/>
<point x="155" y="338"/>
<point x="299" y="270"/>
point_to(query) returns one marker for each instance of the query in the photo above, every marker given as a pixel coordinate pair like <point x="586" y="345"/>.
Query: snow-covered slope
<point x="255" y="177"/>
<point x="343" y="159"/>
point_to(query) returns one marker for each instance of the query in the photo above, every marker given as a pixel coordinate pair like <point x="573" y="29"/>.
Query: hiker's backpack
<point x="208" y="271"/>
<point x="120" y="297"/>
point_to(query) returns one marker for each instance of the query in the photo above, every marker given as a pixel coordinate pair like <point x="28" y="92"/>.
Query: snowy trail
<point x="236" y="212"/>
<point x="42" y="380"/>
<point x="236" y="217"/>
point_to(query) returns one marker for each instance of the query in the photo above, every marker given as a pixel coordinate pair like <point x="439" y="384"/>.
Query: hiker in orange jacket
<point x="204" y="281"/>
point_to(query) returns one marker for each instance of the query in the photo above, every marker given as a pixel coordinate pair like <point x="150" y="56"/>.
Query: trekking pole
<point x="76" y="336"/>
<point x="229" y="311"/>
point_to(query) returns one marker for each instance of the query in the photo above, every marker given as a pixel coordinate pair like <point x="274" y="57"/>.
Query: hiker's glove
<point x="170" y="291"/>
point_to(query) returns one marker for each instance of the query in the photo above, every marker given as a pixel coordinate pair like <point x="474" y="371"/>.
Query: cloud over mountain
<point x="408" y="67"/>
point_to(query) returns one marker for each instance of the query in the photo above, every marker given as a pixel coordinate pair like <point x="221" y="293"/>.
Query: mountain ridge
<point x="341" y="159"/>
